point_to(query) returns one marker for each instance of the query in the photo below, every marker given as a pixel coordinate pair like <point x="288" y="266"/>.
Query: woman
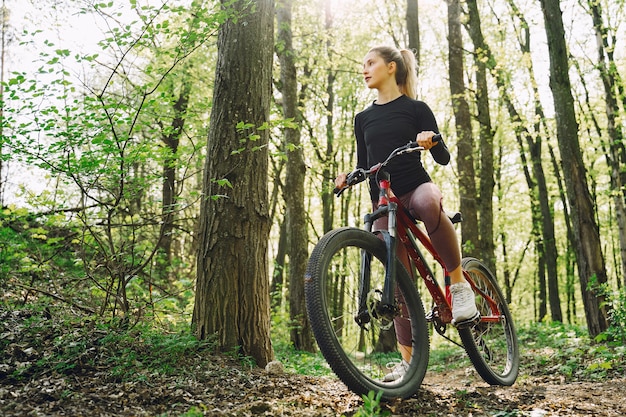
<point x="392" y="120"/>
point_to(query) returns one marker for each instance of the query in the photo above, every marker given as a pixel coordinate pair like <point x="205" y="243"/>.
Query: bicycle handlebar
<point x="360" y="174"/>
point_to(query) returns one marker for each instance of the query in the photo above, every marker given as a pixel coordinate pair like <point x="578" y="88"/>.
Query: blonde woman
<point x="392" y="120"/>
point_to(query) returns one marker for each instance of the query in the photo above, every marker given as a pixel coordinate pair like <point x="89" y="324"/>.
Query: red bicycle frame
<point x="400" y="224"/>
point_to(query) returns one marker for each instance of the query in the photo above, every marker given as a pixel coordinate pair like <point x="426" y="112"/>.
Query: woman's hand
<point x="425" y="139"/>
<point x="340" y="181"/>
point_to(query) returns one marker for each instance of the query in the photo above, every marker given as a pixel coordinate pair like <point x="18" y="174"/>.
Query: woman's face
<point x="376" y="71"/>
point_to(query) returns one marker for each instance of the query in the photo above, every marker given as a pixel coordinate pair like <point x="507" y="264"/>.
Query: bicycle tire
<point x="491" y="346"/>
<point x="356" y="355"/>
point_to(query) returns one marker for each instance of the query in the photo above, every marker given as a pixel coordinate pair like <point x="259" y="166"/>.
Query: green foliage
<point x="42" y="259"/>
<point x="305" y="363"/>
<point x="38" y="258"/>
<point x="566" y="351"/>
<point x="106" y="142"/>
<point x="371" y="406"/>
<point x="38" y="342"/>
<point x="195" y="411"/>
<point x="446" y="356"/>
<point x="548" y="349"/>
<point x="616" y="301"/>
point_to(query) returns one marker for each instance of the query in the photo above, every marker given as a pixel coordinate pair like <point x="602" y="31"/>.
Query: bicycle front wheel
<point x="492" y="344"/>
<point x="361" y="355"/>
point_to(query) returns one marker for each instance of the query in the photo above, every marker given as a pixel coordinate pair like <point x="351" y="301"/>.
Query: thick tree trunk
<point x="232" y="290"/>
<point x="465" y="144"/>
<point x="591" y="269"/>
<point x="297" y="240"/>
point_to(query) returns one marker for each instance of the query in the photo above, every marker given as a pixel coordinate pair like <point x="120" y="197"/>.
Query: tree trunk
<point x="232" y="289"/>
<point x="616" y="155"/>
<point x="487" y="182"/>
<point x="297" y="238"/>
<point x="543" y="217"/>
<point x="570" y="278"/>
<point x="591" y="270"/>
<point x="3" y="45"/>
<point x="328" y="198"/>
<point x="278" y="276"/>
<point x="413" y="29"/>
<point x="465" y="144"/>
<point x="168" y="193"/>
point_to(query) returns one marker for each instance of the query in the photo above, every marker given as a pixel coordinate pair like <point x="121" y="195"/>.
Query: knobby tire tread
<point x="492" y="376"/>
<point x="322" y="327"/>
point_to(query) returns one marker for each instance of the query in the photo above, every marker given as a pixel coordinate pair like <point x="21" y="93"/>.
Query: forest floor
<point x="221" y="385"/>
<point x="235" y="392"/>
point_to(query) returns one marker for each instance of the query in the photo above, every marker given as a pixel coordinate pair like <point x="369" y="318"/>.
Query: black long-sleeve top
<point x="381" y="128"/>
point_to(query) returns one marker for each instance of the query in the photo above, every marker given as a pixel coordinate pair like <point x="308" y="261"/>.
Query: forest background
<point x="114" y="166"/>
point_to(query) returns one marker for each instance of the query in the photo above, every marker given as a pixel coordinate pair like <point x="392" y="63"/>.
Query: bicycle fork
<point x="386" y="307"/>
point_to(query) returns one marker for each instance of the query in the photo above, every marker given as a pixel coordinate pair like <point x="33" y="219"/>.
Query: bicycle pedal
<point x="465" y="324"/>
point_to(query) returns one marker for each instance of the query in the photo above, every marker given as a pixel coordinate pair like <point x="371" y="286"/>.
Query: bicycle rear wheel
<point x="492" y="344"/>
<point x="360" y="355"/>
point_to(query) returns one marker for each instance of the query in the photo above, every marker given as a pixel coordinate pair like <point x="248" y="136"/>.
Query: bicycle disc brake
<point x="383" y="313"/>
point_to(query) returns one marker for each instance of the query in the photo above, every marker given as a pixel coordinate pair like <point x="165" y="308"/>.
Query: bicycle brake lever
<point x="356" y="176"/>
<point x="410" y="147"/>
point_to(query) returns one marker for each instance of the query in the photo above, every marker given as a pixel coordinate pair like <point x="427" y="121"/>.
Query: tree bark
<point x="329" y="167"/>
<point x="616" y="155"/>
<point x="487" y="182"/>
<point x="413" y="29"/>
<point x="591" y="269"/>
<point x="297" y="238"/>
<point x="3" y="46"/>
<point x="232" y="289"/>
<point x="465" y="144"/>
<point x="278" y="276"/>
<point x="171" y="141"/>
<point x="542" y="215"/>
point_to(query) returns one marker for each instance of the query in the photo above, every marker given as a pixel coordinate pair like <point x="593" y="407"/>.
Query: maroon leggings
<point x="425" y="203"/>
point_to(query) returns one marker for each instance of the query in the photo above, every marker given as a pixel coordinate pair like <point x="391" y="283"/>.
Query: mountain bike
<point x="355" y="286"/>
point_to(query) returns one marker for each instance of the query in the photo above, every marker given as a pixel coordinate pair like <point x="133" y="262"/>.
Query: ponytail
<point x="406" y="68"/>
<point x="409" y="87"/>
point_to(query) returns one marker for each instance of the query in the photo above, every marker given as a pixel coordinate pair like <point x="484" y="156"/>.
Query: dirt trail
<point x="467" y="394"/>
<point x="235" y="392"/>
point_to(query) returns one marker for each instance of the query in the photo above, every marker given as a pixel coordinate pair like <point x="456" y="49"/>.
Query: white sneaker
<point x="463" y="303"/>
<point x="397" y="372"/>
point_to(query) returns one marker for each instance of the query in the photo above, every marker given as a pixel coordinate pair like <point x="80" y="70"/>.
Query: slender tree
<point x="329" y="170"/>
<point x="465" y="144"/>
<point x="531" y="135"/>
<point x="4" y="22"/>
<point x="591" y="269"/>
<point x="171" y="140"/>
<point x="616" y="154"/>
<point x="413" y="29"/>
<point x="232" y="289"/>
<point x="297" y="240"/>
<point x="486" y="182"/>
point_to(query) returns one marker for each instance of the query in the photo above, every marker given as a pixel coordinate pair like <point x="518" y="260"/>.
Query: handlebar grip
<point x="338" y="191"/>
<point x="437" y="137"/>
